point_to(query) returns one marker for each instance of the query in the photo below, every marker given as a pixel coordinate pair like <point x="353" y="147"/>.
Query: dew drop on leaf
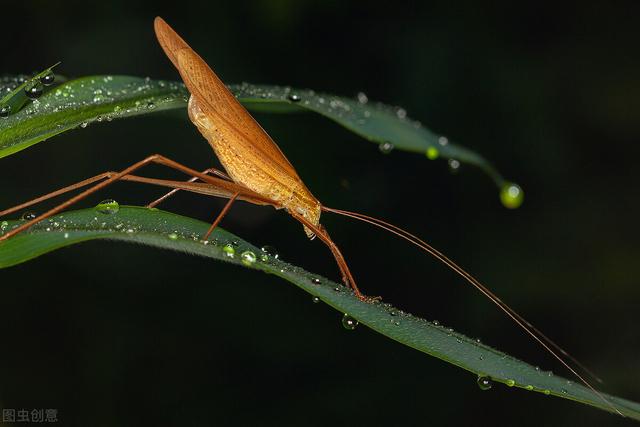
<point x="511" y="195"/>
<point x="485" y="383"/>
<point x="173" y="236"/>
<point x="386" y="147"/>
<point x="108" y="207"/>
<point x="454" y="165"/>
<point x="270" y="251"/>
<point x="28" y="216"/>
<point x="34" y="89"/>
<point x="229" y="250"/>
<point x="5" y="110"/>
<point x="248" y="258"/>
<point x="294" y="98"/>
<point x="48" y="78"/>
<point x="315" y="300"/>
<point x="432" y="153"/>
<point x="316" y="281"/>
<point x="349" y="323"/>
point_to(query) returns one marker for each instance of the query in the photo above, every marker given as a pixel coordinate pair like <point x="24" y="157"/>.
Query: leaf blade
<point x="104" y="98"/>
<point x="165" y="230"/>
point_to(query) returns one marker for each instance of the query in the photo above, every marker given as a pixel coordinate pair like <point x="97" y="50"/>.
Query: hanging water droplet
<point x="386" y="147"/>
<point x="485" y="383"/>
<point x="248" y="258"/>
<point x="529" y="387"/>
<point x="443" y="141"/>
<point x="28" y="216"/>
<point x="511" y="195"/>
<point x="48" y="78"/>
<point x="5" y="110"/>
<point x="270" y="251"/>
<point x="362" y="98"/>
<point x="108" y="207"/>
<point x="315" y="300"/>
<point x="454" y="165"/>
<point x="294" y="97"/>
<point x="547" y="392"/>
<point x="34" y="89"/>
<point x="172" y="236"/>
<point x="229" y="250"/>
<point x="437" y="323"/>
<point x="478" y="340"/>
<point x="349" y="322"/>
<point x="84" y="124"/>
<point x="432" y="153"/>
<point x="316" y="281"/>
<point x="511" y="383"/>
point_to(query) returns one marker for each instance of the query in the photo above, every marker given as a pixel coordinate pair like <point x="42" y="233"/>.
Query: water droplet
<point x="229" y="250"/>
<point x="386" y="147"/>
<point x="151" y="105"/>
<point x="443" y="141"/>
<point x="437" y="323"/>
<point x="294" y="97"/>
<point x="270" y="251"/>
<point x="248" y="258"/>
<point x="511" y="383"/>
<point x="511" y="195"/>
<point x="84" y="124"/>
<point x="28" y="216"/>
<point x="478" y="340"/>
<point x="48" y="78"/>
<point x="172" y="236"/>
<point x="5" y="110"/>
<point x="66" y="235"/>
<point x="547" y="392"/>
<point x="362" y="98"/>
<point x="401" y="113"/>
<point x="529" y="387"/>
<point x="485" y="383"/>
<point x="3" y="225"/>
<point x="315" y="300"/>
<point x="316" y="281"/>
<point x="349" y="322"/>
<point x="34" y="89"/>
<point x="432" y="153"/>
<point x="454" y="165"/>
<point x="108" y="207"/>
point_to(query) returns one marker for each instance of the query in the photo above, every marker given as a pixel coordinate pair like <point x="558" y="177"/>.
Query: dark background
<point x="116" y="334"/>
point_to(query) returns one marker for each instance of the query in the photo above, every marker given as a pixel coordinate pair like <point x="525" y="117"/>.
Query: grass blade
<point x="165" y="230"/>
<point x="79" y="102"/>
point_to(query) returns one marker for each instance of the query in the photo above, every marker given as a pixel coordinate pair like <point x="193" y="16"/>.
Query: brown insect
<point x="257" y="172"/>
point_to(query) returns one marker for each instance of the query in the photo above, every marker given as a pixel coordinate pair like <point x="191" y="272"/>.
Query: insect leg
<point x="155" y="158"/>
<point x="213" y="171"/>
<point x="347" y="277"/>
<point x="57" y="193"/>
<point x="221" y="215"/>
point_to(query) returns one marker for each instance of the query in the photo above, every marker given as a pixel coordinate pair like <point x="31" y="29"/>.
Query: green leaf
<point x="170" y="231"/>
<point x="77" y="103"/>
<point x="16" y="96"/>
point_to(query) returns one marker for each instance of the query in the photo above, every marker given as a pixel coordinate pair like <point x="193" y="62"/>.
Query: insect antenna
<point x="525" y="325"/>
